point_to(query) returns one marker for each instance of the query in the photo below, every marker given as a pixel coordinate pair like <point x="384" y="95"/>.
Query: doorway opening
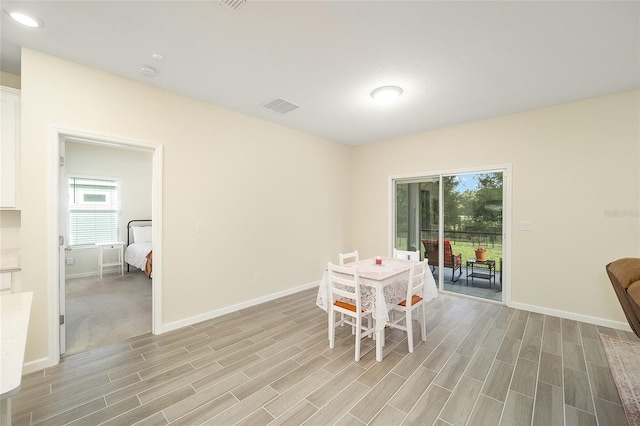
<point x="457" y="221"/>
<point x="83" y="154"/>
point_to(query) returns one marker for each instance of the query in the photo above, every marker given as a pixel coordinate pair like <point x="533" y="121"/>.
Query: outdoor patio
<point x="479" y="288"/>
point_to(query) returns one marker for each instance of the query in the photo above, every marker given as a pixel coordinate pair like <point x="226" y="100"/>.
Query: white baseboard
<point x="226" y="310"/>
<point x="572" y="316"/>
<point x="37" y="365"/>
<point x="94" y="273"/>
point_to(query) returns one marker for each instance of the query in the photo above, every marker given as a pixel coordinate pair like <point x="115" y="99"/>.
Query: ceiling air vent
<point x="281" y="106"/>
<point x="233" y="4"/>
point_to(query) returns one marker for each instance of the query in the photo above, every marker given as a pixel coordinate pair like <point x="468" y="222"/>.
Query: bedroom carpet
<point x="624" y="359"/>
<point x="103" y="311"/>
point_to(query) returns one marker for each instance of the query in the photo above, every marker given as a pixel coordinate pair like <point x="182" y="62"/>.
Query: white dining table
<point x="381" y="287"/>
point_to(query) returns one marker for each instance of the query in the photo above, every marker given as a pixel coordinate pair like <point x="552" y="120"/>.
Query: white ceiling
<point x="456" y="61"/>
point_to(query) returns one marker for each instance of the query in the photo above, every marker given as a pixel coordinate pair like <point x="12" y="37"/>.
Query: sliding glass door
<point x="456" y="222"/>
<point x="417" y="213"/>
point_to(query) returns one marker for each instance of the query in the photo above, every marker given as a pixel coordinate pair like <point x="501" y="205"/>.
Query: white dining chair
<point x="407" y="255"/>
<point x="346" y="300"/>
<point x="345" y="258"/>
<point x="401" y="313"/>
<point x="348" y="257"/>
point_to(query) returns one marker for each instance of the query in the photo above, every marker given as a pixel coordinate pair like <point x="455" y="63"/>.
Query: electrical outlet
<point x="199" y="227"/>
<point x="70" y="260"/>
<point x="256" y="279"/>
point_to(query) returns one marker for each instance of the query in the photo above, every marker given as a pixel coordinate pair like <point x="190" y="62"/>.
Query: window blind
<point x="94" y="210"/>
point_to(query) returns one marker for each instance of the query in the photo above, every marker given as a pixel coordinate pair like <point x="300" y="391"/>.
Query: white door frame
<point x="56" y="135"/>
<point x="506" y="205"/>
<point x="62" y="231"/>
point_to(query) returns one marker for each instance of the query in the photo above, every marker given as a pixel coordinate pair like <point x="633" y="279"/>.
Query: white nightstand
<point x="119" y="246"/>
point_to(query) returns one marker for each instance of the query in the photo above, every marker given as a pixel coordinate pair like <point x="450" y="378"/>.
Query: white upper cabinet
<point x="10" y="152"/>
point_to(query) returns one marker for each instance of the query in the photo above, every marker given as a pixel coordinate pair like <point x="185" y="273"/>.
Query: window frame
<point x="117" y="181"/>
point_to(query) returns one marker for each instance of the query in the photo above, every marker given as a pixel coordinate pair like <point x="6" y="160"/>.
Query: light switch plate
<point x="526" y="226"/>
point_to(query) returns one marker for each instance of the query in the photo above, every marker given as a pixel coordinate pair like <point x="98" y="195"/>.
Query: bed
<point x="139" y="251"/>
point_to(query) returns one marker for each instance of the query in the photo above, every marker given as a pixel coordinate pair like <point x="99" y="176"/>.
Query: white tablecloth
<point x="381" y="286"/>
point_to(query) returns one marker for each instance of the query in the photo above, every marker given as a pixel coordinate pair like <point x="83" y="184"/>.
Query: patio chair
<point x="453" y="261"/>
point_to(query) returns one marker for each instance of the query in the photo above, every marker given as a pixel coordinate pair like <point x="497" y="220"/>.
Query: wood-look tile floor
<point x="482" y="364"/>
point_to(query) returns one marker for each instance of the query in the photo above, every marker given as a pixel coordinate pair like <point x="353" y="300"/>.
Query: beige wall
<point x="571" y="164"/>
<point x="263" y="192"/>
<point x="9" y="229"/>
<point x="9" y="80"/>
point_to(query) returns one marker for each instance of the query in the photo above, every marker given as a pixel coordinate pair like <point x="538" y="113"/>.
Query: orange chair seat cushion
<point x="414" y="299"/>
<point x="345" y="305"/>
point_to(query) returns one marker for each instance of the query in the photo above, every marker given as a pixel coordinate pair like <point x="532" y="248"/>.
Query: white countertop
<point x="14" y="317"/>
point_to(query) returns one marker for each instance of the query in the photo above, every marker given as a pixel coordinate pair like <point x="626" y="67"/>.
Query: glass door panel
<point x="417" y="214"/>
<point x="473" y="225"/>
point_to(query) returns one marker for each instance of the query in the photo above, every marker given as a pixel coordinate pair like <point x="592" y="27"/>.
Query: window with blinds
<point x="94" y="210"/>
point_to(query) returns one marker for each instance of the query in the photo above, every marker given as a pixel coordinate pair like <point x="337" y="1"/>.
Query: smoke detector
<point x="148" y="71"/>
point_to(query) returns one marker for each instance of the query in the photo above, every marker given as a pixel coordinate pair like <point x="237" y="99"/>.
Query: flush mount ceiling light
<point x="26" y="20"/>
<point x="386" y="93"/>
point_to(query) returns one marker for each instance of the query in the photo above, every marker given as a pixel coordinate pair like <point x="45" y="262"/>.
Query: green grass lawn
<point x="494" y="251"/>
<point x="468" y="251"/>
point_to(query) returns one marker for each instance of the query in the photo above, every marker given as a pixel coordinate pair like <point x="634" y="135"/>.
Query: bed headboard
<point x="136" y="222"/>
